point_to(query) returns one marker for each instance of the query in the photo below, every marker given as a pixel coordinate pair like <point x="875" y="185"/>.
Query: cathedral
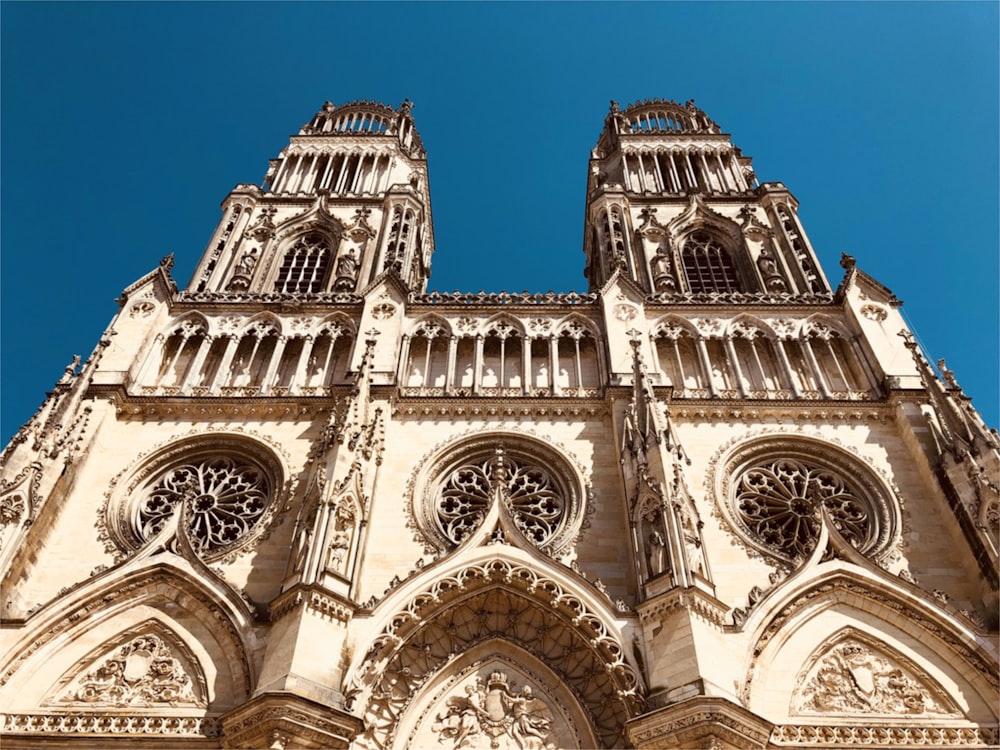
<point x="719" y="499"/>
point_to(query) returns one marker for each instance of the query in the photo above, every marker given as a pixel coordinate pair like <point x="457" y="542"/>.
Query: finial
<point x="948" y="376"/>
<point x="406" y="106"/>
<point x="847" y="262"/>
<point x="167" y="262"/>
<point x="614" y="107"/>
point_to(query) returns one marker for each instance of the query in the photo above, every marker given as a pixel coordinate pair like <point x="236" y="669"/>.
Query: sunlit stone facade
<point x="714" y="501"/>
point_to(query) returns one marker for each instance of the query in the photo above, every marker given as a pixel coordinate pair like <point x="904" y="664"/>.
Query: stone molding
<point x="108" y="724"/>
<point x="314" y="599"/>
<point x="277" y="719"/>
<point x="701" y="604"/>
<point x="700" y="722"/>
<point x="887" y="735"/>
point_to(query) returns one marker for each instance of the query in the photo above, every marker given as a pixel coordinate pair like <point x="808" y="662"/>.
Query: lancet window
<point x="338" y="173"/>
<point x="680" y="360"/>
<point x="399" y="238"/>
<point x="749" y="361"/>
<point x="708" y="266"/>
<point x="677" y="172"/>
<point x="306" y="266"/>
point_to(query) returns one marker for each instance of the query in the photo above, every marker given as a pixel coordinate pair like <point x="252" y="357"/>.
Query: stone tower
<point x="713" y="502"/>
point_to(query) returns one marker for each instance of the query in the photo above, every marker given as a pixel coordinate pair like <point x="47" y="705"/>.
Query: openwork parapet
<point x="503" y="298"/>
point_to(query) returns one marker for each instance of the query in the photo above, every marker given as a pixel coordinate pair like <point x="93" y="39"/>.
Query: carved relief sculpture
<point x="497" y="716"/>
<point x="143" y="672"/>
<point x="853" y="678"/>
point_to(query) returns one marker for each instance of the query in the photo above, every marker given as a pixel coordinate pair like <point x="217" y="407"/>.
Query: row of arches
<point x="501" y="360"/>
<point x="750" y="360"/>
<point x="260" y="358"/>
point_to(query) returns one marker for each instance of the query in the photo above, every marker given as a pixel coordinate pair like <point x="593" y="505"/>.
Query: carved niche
<point x="855" y="677"/>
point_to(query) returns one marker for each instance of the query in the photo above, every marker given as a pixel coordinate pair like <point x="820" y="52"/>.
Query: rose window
<point x="779" y="503"/>
<point x="224" y="498"/>
<point x="531" y="495"/>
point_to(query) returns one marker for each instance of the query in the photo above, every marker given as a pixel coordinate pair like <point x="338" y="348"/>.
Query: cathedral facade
<point x="715" y="501"/>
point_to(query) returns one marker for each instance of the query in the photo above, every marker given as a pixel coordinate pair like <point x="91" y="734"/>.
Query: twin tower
<point x="711" y="502"/>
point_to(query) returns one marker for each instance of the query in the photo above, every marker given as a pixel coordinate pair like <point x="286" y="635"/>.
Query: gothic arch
<point x="202" y="615"/>
<point x="262" y="321"/>
<point x="503" y="318"/>
<point x="813" y="608"/>
<point x="507" y="603"/>
<point x="430" y="319"/>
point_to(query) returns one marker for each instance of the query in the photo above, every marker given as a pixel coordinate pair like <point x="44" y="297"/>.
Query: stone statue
<point x="657" y="553"/>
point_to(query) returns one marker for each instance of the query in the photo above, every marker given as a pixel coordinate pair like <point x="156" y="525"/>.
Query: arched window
<point x="306" y="266"/>
<point x="708" y="266"/>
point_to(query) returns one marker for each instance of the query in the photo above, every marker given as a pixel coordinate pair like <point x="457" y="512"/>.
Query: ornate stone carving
<point x="542" y="491"/>
<point x="496" y="716"/>
<point x="143" y="672"/>
<point x="852" y="678"/>
<point x="224" y="499"/>
<point x="532" y="496"/>
<point x="779" y="503"/>
<point x="789" y="477"/>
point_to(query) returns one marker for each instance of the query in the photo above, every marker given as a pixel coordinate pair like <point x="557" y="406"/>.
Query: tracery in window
<point x="226" y="490"/>
<point x="776" y="495"/>
<point x="708" y="266"/>
<point x="779" y="502"/>
<point x="306" y="266"/>
<point x="540" y="492"/>
<point x="224" y="498"/>
<point x="533" y="497"/>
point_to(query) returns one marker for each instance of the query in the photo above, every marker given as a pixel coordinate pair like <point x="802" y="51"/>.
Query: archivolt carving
<point x="496" y="601"/>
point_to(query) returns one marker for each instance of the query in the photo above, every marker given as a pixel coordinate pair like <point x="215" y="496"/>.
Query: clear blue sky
<point x="125" y="124"/>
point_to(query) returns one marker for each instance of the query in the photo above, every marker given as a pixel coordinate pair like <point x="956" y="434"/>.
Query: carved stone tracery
<point x="533" y="497"/>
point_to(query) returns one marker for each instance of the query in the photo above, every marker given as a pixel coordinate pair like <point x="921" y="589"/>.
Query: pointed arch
<point x="190" y="602"/>
<point x="497" y="600"/>
<point x="823" y="599"/>
<point x="425" y="363"/>
<point x="678" y="345"/>
<point x="756" y="358"/>
<point x="146" y="665"/>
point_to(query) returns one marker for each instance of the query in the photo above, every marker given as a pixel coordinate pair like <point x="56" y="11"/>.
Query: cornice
<point x="514" y="407"/>
<point x="312" y="598"/>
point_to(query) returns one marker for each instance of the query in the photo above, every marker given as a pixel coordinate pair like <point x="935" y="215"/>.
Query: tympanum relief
<point x="498" y="715"/>
<point x="144" y="672"/>
<point x="853" y="678"/>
